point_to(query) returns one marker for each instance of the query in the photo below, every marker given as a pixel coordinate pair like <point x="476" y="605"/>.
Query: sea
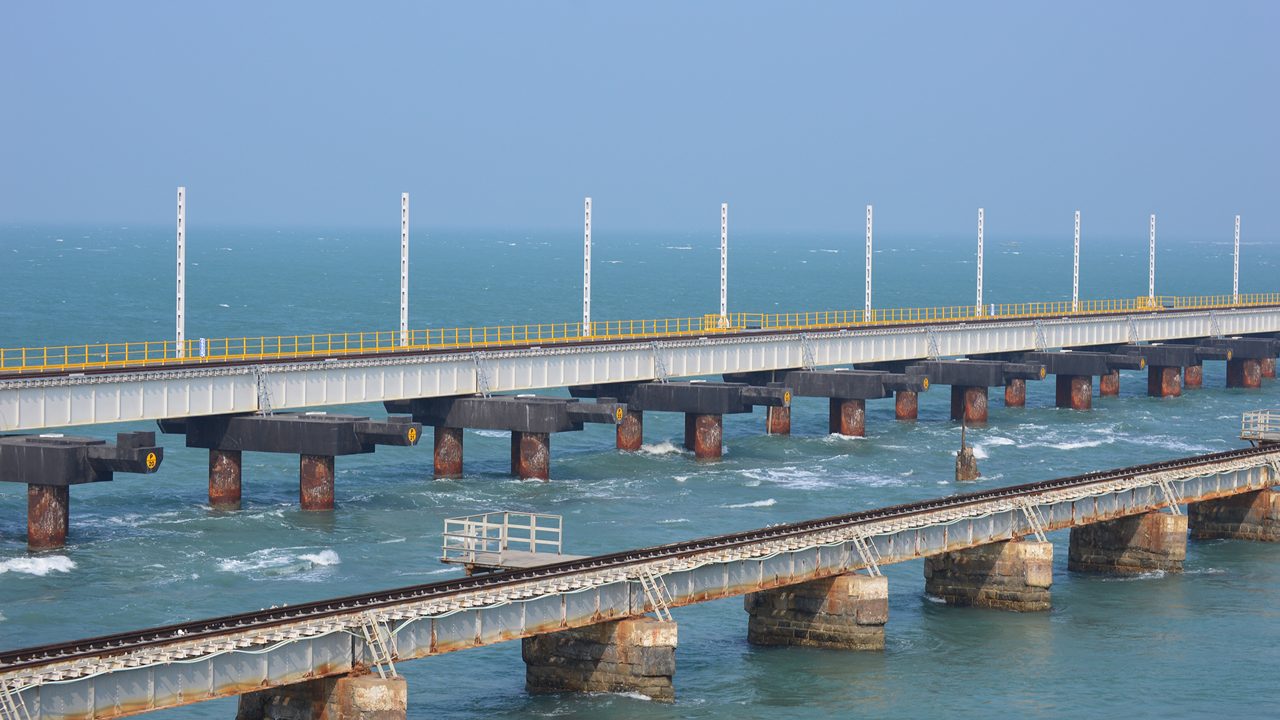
<point x="147" y="550"/>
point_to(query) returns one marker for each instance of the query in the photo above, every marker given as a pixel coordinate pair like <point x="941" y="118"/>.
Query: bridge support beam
<point x="1193" y="377"/>
<point x="1247" y="516"/>
<point x="1074" y="392"/>
<point x="847" y="417"/>
<point x="225" y="470"/>
<point x="363" y="697"/>
<point x="630" y="432"/>
<point x="447" y="455"/>
<point x="846" y="612"/>
<point x="1164" y="381"/>
<point x="969" y="403"/>
<point x="1015" y="393"/>
<point x="1268" y="368"/>
<point x="315" y="482"/>
<point x="48" y="516"/>
<point x="635" y="655"/>
<point x="1011" y="575"/>
<point x="906" y="405"/>
<point x="778" y="420"/>
<point x="531" y="455"/>
<point x="704" y="435"/>
<point x="1109" y="384"/>
<point x="1244" y="373"/>
<point x="1134" y="544"/>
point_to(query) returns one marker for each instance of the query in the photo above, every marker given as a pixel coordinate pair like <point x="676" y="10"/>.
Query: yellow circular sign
<point x="618" y="413"/>
<point x="1042" y="371"/>
<point x="786" y="397"/>
<point x="152" y="461"/>
<point x="413" y="435"/>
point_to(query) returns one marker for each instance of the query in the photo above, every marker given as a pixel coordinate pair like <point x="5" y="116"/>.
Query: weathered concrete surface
<point x="1109" y="384"/>
<point x="847" y="417"/>
<point x="1244" y="373"/>
<point x="703" y="435"/>
<point x="1193" y="376"/>
<point x="777" y="420"/>
<point x="969" y="403"/>
<point x="1164" y="381"/>
<point x="315" y="482"/>
<point x="224" y="479"/>
<point x="1011" y="575"/>
<point x="846" y="612"/>
<point x="1015" y="393"/>
<point x="531" y="455"/>
<point x="1268" y="367"/>
<point x="1135" y="544"/>
<point x="636" y="655"/>
<point x="448" y="452"/>
<point x="364" y="697"/>
<point x="1247" y="516"/>
<point x="967" y="465"/>
<point x="629" y="435"/>
<point x="48" y="516"/>
<point x="906" y="405"/>
<point x="1074" y="392"/>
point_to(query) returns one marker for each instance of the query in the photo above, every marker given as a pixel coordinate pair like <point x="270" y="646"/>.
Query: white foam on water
<point x="491" y="433"/>
<point x="38" y="566"/>
<point x="392" y="541"/>
<point x="758" y="503"/>
<point x="837" y="437"/>
<point x="680" y="478"/>
<point x="998" y="440"/>
<point x="662" y="448"/>
<point x="980" y="452"/>
<point x="223" y="305"/>
<point x="674" y="521"/>
<point x="1149" y="575"/>
<point x="679" y="247"/>
<point x="324" y="557"/>
<point x="279" y="561"/>
<point x="934" y="599"/>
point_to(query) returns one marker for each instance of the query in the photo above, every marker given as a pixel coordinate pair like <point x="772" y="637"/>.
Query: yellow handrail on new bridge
<point x="102" y="356"/>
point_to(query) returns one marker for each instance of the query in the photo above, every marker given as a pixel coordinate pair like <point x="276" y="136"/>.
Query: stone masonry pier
<point x="1138" y="543"/>
<point x="633" y="655"/>
<point x="1010" y="575"/>
<point x="845" y="612"/>
<point x="1247" y="516"/>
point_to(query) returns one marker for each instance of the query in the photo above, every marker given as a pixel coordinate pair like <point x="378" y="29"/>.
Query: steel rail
<point x="115" y="644"/>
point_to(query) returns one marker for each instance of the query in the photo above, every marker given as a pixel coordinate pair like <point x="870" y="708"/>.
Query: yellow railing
<point x="99" y="356"/>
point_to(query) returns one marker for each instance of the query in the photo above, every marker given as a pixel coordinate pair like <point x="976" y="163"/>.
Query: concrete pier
<point x="1244" y="373"/>
<point x="636" y="655"/>
<point x="1164" y="381"/>
<point x="448" y="452"/>
<point x="704" y="435"/>
<point x="1268" y="366"/>
<point x="846" y="612"/>
<point x="1193" y="377"/>
<point x="847" y="417"/>
<point x="362" y="697"/>
<point x="1011" y="575"/>
<point x="531" y="455"/>
<point x="906" y="405"/>
<point x="1134" y="544"/>
<point x="969" y="403"/>
<point x="48" y="516"/>
<point x="1248" y="516"/>
<point x="1074" y="392"/>
<point x="1015" y="393"/>
<point x="315" y="482"/>
<point x="630" y="432"/>
<point x="777" y="420"/>
<point x="1109" y="384"/>
<point x="225" y="470"/>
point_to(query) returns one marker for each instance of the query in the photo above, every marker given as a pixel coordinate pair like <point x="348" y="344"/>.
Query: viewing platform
<point x="503" y="540"/>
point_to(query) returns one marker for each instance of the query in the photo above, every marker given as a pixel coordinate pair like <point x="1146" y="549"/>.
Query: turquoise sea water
<point x="147" y="550"/>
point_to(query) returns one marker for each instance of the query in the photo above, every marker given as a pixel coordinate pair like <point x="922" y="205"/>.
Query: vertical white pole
<point x="1075" y="270"/>
<point x="866" y="313"/>
<point x="404" y="269"/>
<point x="1235" y="268"/>
<point x="182" y="273"/>
<point x="586" y="268"/>
<point x="980" y="261"/>
<point x="1151" y="264"/>
<point x="724" y="264"/>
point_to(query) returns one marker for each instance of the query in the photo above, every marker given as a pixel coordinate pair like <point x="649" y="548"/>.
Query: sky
<point x="503" y="115"/>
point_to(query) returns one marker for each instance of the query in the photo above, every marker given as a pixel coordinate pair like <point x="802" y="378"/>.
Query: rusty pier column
<point x="1109" y="384"/>
<point x="1268" y="368"/>
<point x="531" y="455"/>
<point x="1164" y="381"/>
<point x="630" y="432"/>
<point x="224" y="479"/>
<point x="906" y="405"/>
<point x="1193" y="376"/>
<point x="315" y="482"/>
<point x="1015" y="393"/>
<point x="1074" y="392"/>
<point x="1244" y="373"/>
<point x="447" y="460"/>
<point x="848" y="417"/>
<point x="48" y="516"/>
<point x="969" y="404"/>
<point x="703" y="434"/>
<point x="778" y="420"/>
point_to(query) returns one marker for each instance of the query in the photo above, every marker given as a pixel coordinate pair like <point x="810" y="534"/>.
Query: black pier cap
<point x="516" y="413"/>
<point x="53" y="459"/>
<point x="302" y="433"/>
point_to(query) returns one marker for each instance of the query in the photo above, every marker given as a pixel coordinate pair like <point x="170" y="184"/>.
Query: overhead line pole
<point x="1075" y="270"/>
<point x="1151" y="264"/>
<point x="724" y="265"/>
<point x="404" y="269"/>
<point x="181" y="318"/>
<point x="866" y="313"/>
<point x="980" y="223"/>
<point x="1235" y="268"/>
<point x="586" y="268"/>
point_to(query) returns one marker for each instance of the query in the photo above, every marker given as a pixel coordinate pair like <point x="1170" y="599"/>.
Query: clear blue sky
<point x="504" y="115"/>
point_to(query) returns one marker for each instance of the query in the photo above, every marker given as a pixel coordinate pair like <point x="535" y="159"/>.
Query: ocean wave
<point x="279" y="561"/>
<point x="492" y="433"/>
<point x="674" y="521"/>
<point x="662" y="448"/>
<point x="1148" y="575"/>
<point x="38" y="566"/>
<point x="679" y="247"/>
<point x="758" y="503"/>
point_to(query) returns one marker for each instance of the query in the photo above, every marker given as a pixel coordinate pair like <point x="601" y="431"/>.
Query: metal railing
<point x="1260" y="425"/>
<point x="104" y="356"/>
<point x="469" y="537"/>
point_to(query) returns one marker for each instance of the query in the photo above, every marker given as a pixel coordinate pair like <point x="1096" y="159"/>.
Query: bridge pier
<point x="906" y="405"/>
<point x="447" y="454"/>
<point x="630" y="432"/>
<point x="845" y="612"/>
<point x="1164" y="381"/>
<point x="362" y="697"/>
<point x="1010" y="575"/>
<point x="1268" y="368"/>
<point x="1134" y="544"/>
<point x="1109" y="384"/>
<point x="48" y="516"/>
<point x="636" y="655"/>
<point x="969" y="403"/>
<point x="531" y="455"/>
<point x="225" y="471"/>
<point x="1247" y="516"/>
<point x="1244" y="373"/>
<point x="1015" y="393"/>
<point x="777" y="420"/>
<point x="315" y="482"/>
<point x="704" y="435"/>
<point x="1074" y="392"/>
<point x="1193" y="377"/>
<point x="847" y="417"/>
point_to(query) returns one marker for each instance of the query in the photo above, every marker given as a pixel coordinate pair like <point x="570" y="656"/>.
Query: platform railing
<point x="467" y="538"/>
<point x="1260" y="425"/>
<point x="104" y="356"/>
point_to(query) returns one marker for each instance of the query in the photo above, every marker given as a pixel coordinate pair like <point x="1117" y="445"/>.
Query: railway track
<point x="119" y="643"/>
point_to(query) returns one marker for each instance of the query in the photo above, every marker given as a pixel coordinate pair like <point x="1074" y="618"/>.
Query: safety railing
<point x="105" y="356"/>
<point x="483" y="538"/>
<point x="1260" y="425"/>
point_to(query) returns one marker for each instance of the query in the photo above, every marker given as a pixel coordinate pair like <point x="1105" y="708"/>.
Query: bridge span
<point x="586" y="623"/>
